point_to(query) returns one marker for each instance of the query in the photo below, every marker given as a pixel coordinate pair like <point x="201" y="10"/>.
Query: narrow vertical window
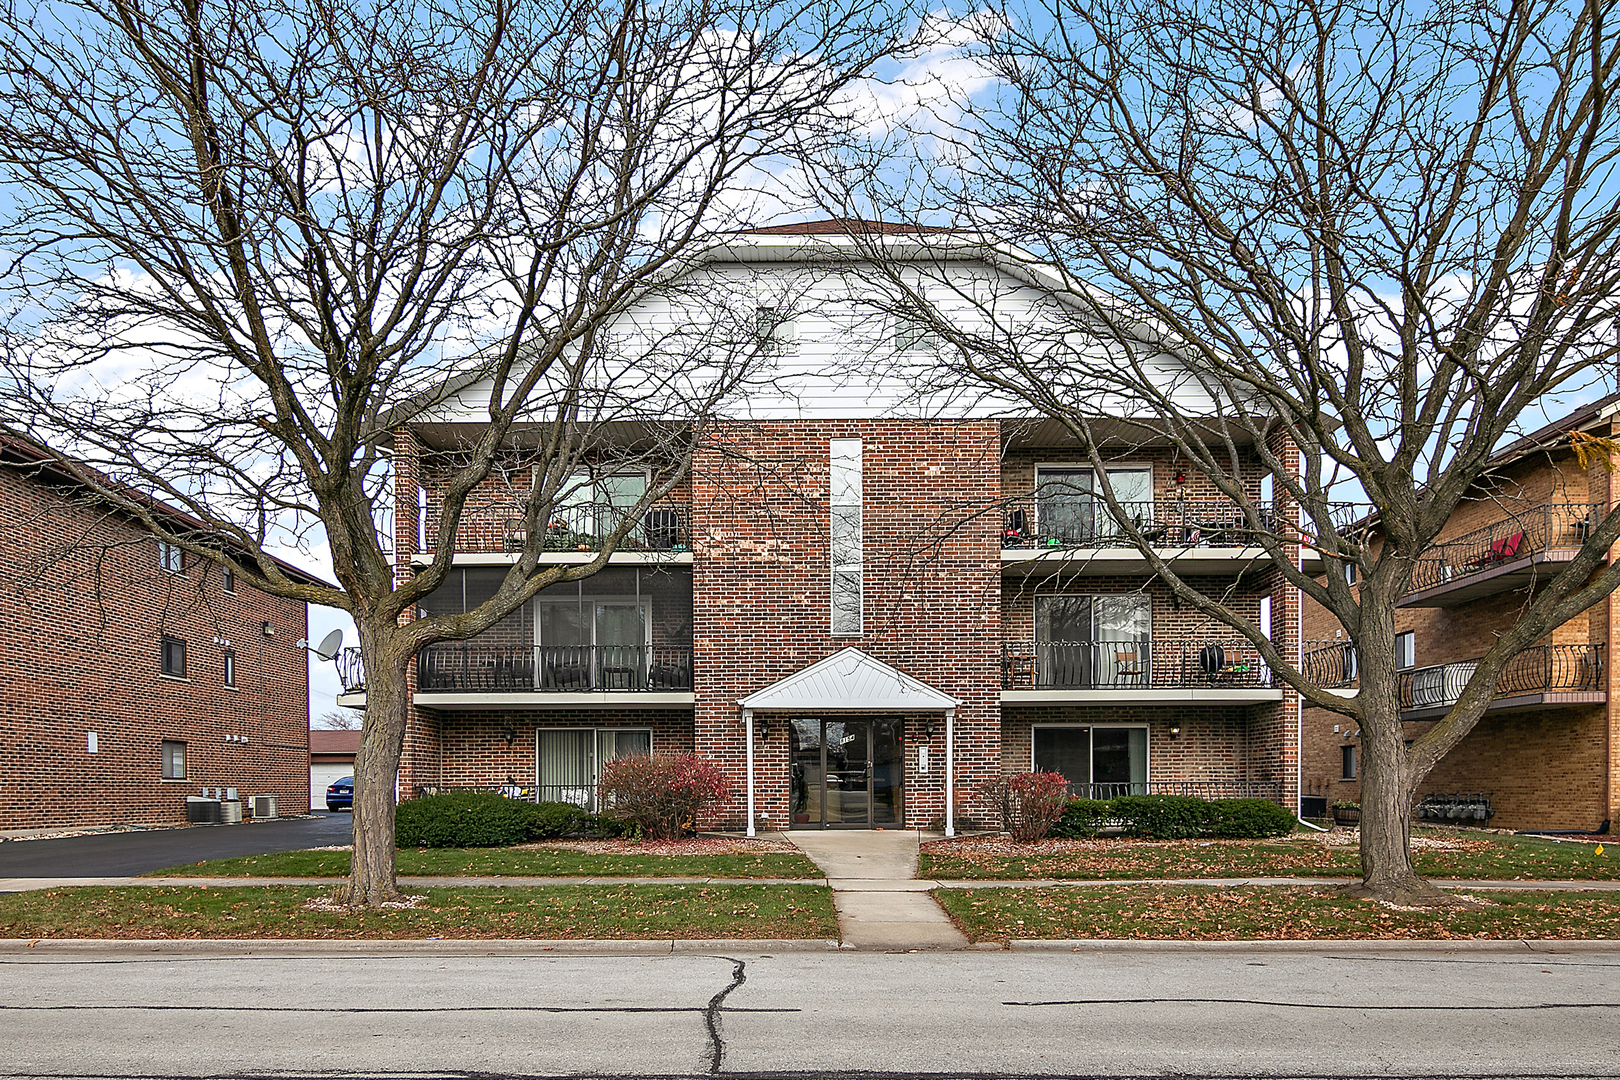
<point x="1347" y="763"/>
<point x="229" y="577"/>
<point x="230" y="668"/>
<point x="845" y="499"/>
<point x="1405" y="650"/>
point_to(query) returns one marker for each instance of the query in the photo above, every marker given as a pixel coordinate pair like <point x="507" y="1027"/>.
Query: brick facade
<point x="84" y="604"/>
<point x="1544" y="767"/>
<point x="937" y="605"/>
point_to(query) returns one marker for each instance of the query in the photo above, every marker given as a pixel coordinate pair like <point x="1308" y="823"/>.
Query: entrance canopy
<point x="849" y="681"/>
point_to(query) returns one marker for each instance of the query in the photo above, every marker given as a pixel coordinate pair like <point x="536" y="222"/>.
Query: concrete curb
<point x="1542" y="947"/>
<point x="228" y="948"/>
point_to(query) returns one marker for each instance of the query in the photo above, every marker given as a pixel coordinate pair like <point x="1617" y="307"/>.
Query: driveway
<point x="125" y="853"/>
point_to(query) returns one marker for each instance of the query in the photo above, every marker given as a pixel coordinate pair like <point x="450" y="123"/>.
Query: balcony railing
<point x="351" y="671"/>
<point x="1198" y="789"/>
<point x="666" y="527"/>
<point x="1080" y="522"/>
<point x="1545" y="528"/>
<point x="494" y="669"/>
<point x="1329" y="663"/>
<point x="1539" y="669"/>
<point x="1129" y="665"/>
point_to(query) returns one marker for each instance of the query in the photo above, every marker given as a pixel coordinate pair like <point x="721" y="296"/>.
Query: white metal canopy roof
<point x="849" y="680"/>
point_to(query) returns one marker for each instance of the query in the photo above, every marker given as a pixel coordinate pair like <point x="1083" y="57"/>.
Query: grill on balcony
<point x="1130" y="665"/>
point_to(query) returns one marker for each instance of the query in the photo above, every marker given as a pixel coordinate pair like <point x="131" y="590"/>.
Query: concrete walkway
<point x="881" y="904"/>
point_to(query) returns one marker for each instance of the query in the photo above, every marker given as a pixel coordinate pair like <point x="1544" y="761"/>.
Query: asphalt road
<point x="125" y="853"/>
<point x="397" y="1010"/>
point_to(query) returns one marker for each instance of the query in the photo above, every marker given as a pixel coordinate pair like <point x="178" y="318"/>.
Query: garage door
<point x="320" y="776"/>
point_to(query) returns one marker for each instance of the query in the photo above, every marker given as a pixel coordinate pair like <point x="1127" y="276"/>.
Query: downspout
<point x="1299" y="705"/>
<point x="950" y="772"/>
<point x="748" y="735"/>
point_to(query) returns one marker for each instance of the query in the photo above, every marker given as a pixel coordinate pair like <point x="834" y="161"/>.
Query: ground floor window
<point x="174" y="760"/>
<point x="1347" y="763"/>
<point x="569" y="761"/>
<point x="1098" y="762"/>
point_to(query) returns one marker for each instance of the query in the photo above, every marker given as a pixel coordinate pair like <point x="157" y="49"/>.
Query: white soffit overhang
<point x="850" y="681"/>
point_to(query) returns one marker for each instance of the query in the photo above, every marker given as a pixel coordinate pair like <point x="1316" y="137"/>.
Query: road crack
<point x="711" y="1015"/>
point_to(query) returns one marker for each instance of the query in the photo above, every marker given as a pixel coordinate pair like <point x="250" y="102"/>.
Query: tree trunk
<point x="1387" y="787"/>
<point x="376" y="772"/>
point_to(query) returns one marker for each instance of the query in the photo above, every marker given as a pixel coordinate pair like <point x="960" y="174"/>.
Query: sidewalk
<point x="881" y="904"/>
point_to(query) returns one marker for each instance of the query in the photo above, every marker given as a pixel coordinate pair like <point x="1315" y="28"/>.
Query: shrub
<point x="549" y="820"/>
<point x="1164" y="817"/>
<point x="1082" y="818"/>
<point x="1030" y="802"/>
<point x="1241" y="819"/>
<point x="662" y="793"/>
<point x="462" y="819"/>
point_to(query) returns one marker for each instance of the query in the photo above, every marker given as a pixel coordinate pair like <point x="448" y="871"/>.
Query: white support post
<point x="950" y="772"/>
<point x="748" y="734"/>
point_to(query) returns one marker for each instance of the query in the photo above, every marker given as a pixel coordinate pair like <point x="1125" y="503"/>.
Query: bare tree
<point x="1377" y="232"/>
<point x="339" y="720"/>
<point x="248" y="241"/>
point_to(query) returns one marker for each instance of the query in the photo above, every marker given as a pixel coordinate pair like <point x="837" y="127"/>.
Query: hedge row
<point x="1174" y="817"/>
<point x="457" y="819"/>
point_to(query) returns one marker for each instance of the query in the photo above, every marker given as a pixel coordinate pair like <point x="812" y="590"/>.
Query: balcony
<point x="1329" y="664"/>
<point x="1503" y="557"/>
<point x="576" y="532"/>
<point x="1541" y="677"/>
<point x="1035" y="672"/>
<point x="458" y="675"/>
<point x="1079" y="534"/>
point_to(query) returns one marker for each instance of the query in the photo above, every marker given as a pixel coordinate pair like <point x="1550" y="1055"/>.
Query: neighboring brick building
<point x="132" y="675"/>
<point x="1547" y="751"/>
<point x="868" y="592"/>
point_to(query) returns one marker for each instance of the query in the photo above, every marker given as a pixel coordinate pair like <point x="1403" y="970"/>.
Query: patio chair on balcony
<point x="1015" y="531"/>
<point x="663" y="530"/>
<point x="516" y="535"/>
<point x="1504" y="550"/>
<point x="1129" y="670"/>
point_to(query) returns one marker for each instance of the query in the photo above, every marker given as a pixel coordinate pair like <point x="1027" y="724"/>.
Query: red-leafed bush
<point x="663" y="793"/>
<point x="1030" y="802"/>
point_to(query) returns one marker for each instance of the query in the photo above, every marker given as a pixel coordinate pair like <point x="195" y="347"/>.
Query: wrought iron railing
<point x="665" y="527"/>
<point x="465" y="668"/>
<point x="1539" y="669"/>
<point x="351" y="670"/>
<point x="1198" y="789"/>
<point x="583" y="796"/>
<point x="1329" y="663"/>
<point x="1544" y="528"/>
<point x="1129" y="665"/>
<point x="1079" y="521"/>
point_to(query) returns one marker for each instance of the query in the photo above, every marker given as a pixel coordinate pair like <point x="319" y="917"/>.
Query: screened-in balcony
<point x="456" y="667"/>
<point x="1543" y="676"/>
<point x="664" y="531"/>
<point x="1140" y="669"/>
<point x="1501" y="557"/>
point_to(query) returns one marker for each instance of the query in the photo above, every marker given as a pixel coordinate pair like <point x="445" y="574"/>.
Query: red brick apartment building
<point x="131" y="674"/>
<point x="1546" y="754"/>
<point x="862" y="615"/>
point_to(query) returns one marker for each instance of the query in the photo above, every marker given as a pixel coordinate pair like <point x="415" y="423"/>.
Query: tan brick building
<point x="131" y="674"/>
<point x="869" y="606"/>
<point x="1547" y="751"/>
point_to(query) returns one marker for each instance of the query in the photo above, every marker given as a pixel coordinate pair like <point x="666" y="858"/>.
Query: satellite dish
<point x="329" y="646"/>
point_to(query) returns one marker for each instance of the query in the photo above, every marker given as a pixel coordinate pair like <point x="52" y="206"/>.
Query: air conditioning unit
<point x="264" y="806"/>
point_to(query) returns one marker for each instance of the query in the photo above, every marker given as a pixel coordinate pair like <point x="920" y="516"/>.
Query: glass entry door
<point x="846" y="773"/>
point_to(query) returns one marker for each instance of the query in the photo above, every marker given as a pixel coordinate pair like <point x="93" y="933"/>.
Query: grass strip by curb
<point x="602" y="912"/>
<point x="510" y="862"/>
<point x="1483" y="857"/>
<point x="1285" y="913"/>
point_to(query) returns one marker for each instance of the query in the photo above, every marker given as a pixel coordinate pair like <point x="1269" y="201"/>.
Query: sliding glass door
<point x="1070" y="509"/>
<point x="1098" y="762"/>
<point x="568" y="761"/>
<point x="1093" y="641"/>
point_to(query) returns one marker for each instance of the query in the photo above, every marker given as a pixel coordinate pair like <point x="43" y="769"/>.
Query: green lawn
<point x="510" y="862"/>
<point x="1481" y="855"/>
<point x="618" y="911"/>
<point x="1276" y="912"/>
